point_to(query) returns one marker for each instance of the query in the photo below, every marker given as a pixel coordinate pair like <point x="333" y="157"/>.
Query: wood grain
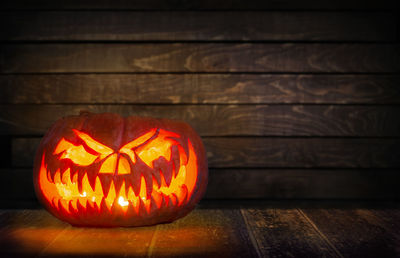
<point x="260" y="152"/>
<point x="367" y="238"/>
<point x="199" y="5"/>
<point x="198" y="26"/>
<point x="302" y="152"/>
<point x="204" y="232"/>
<point x="199" y="88"/>
<point x="387" y="218"/>
<point x="285" y="231"/>
<point x="195" y="57"/>
<point x="101" y="242"/>
<point x="225" y="120"/>
<point x="293" y="99"/>
<point x="26" y="233"/>
<point x="277" y="231"/>
<point x="37" y="233"/>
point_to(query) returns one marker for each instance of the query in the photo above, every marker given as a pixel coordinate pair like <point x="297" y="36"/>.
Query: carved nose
<point x="115" y="164"/>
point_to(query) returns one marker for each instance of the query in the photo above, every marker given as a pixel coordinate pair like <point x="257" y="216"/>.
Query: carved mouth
<point x="75" y="194"/>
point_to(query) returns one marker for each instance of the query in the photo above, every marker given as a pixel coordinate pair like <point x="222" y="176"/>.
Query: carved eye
<point x="158" y="147"/>
<point x="78" y="154"/>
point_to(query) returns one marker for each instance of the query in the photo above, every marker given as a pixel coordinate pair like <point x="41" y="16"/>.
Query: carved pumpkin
<point x="105" y="170"/>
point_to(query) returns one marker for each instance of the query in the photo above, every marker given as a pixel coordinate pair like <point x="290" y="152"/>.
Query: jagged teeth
<point x="157" y="180"/>
<point x="82" y="192"/>
<point x="66" y="176"/>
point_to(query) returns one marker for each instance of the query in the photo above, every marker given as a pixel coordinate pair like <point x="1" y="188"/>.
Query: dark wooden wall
<point x="294" y="99"/>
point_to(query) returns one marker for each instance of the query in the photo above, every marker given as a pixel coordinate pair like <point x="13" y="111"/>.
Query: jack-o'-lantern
<point x="106" y="170"/>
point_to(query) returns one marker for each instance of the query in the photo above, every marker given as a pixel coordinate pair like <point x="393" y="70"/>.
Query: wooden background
<point x="293" y="99"/>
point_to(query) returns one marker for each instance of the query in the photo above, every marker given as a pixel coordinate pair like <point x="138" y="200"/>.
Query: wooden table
<point x="224" y="229"/>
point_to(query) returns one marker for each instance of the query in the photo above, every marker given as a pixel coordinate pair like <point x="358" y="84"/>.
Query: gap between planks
<point x="153" y="241"/>
<point x="251" y="234"/>
<point x="322" y="235"/>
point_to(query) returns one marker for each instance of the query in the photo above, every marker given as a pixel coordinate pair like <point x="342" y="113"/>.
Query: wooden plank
<point x="386" y="217"/>
<point x="196" y="57"/>
<point x="225" y="120"/>
<point x="199" y="5"/>
<point x="260" y="152"/>
<point x="204" y="232"/>
<point x="199" y="88"/>
<point x="302" y="152"/>
<point x="24" y="157"/>
<point x="26" y="233"/>
<point x="353" y="234"/>
<point x="16" y="186"/>
<point x="207" y="231"/>
<point x="36" y="232"/>
<point x="303" y="184"/>
<point x="198" y="26"/>
<point x="285" y="232"/>
<point x="101" y="242"/>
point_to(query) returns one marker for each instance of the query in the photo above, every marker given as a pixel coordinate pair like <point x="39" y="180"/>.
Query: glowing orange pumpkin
<point x="105" y="170"/>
